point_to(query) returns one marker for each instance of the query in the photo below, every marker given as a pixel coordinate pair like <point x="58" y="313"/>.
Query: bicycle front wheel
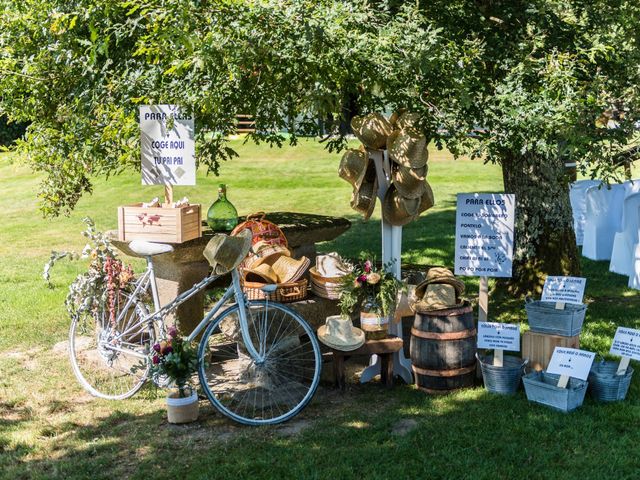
<point x="267" y="392"/>
<point x="110" y="354"/>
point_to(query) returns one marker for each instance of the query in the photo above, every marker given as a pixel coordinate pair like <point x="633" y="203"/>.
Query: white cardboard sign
<point x="167" y="145"/>
<point x="500" y="336"/>
<point x="484" y="234"/>
<point x="626" y="343"/>
<point x="571" y="362"/>
<point x="564" y="289"/>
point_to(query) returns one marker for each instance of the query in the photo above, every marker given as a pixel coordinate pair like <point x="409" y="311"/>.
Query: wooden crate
<point x="538" y="347"/>
<point x="157" y="224"/>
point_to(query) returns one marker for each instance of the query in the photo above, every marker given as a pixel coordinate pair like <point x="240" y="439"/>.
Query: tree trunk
<point x="545" y="242"/>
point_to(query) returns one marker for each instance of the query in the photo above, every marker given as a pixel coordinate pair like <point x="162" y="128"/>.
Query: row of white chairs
<point x="606" y="220"/>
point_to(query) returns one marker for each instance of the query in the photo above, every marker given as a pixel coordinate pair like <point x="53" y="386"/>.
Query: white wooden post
<point x="563" y="381"/>
<point x="391" y="251"/>
<point x="622" y="366"/>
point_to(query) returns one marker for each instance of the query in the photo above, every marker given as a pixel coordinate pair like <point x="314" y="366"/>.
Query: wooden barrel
<point x="443" y="349"/>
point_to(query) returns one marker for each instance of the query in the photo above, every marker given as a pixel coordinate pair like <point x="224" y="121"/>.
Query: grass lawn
<point x="50" y="428"/>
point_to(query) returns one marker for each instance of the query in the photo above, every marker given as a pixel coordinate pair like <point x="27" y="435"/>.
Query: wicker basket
<point x="284" y="292"/>
<point x="605" y="385"/>
<point x="325" y="287"/>
<point x="542" y="387"/>
<point x="545" y="318"/>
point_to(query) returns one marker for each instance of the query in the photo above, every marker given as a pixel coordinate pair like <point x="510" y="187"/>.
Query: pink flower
<point x="156" y="347"/>
<point x="173" y="332"/>
<point x="156" y="359"/>
<point x="367" y="266"/>
<point x="362" y="278"/>
<point x="168" y="350"/>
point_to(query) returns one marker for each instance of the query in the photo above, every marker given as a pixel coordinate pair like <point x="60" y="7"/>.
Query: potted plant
<point x="177" y="360"/>
<point x="375" y="293"/>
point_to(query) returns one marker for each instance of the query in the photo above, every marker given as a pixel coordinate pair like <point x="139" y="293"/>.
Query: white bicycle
<point x="259" y="361"/>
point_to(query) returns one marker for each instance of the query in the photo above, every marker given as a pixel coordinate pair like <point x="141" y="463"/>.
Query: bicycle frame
<point x="159" y="313"/>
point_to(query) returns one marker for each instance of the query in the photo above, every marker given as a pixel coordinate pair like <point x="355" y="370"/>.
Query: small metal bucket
<point x="502" y="380"/>
<point x="543" y="317"/>
<point x="542" y="387"/>
<point x="605" y="385"/>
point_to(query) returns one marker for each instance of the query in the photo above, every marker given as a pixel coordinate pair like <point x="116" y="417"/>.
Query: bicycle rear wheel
<point x="110" y="356"/>
<point x="269" y="392"/>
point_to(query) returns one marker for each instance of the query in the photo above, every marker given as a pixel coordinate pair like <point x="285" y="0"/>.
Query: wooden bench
<point x="384" y="348"/>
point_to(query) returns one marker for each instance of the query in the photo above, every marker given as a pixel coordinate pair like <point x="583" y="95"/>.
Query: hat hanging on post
<point x="339" y="333"/>
<point x="409" y="148"/>
<point x="407" y="119"/>
<point x="426" y="200"/>
<point x="372" y="129"/>
<point x="225" y="252"/>
<point x="399" y="210"/>
<point x="364" y="197"/>
<point x="410" y="182"/>
<point x="353" y="166"/>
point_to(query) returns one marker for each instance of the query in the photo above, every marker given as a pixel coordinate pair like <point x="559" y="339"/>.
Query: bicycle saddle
<point x="148" y="249"/>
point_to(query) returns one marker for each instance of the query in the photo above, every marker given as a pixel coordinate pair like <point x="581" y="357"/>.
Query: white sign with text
<point x="571" y="362"/>
<point x="626" y="343"/>
<point x="167" y="145"/>
<point x="499" y="336"/>
<point x="484" y="234"/>
<point x="564" y="289"/>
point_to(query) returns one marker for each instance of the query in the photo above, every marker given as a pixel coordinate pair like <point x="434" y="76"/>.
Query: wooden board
<point x="167" y="225"/>
<point x="538" y="347"/>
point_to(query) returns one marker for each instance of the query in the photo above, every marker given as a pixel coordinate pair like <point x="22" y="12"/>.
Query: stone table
<point x="179" y="270"/>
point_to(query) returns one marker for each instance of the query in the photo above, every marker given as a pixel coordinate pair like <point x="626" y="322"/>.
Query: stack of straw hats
<point x="409" y="193"/>
<point x="273" y="264"/>
<point x="327" y="275"/>
<point x="440" y="290"/>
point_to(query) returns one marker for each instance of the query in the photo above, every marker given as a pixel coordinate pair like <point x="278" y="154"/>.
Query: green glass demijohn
<point x="222" y="216"/>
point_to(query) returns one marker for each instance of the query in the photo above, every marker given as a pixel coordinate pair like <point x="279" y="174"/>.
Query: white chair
<point x="631" y="187"/>
<point x="578" y="198"/>
<point x="626" y="239"/>
<point x="634" y="277"/>
<point x="602" y="220"/>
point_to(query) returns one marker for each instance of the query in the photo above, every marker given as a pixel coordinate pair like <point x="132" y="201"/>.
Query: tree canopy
<point x="530" y="84"/>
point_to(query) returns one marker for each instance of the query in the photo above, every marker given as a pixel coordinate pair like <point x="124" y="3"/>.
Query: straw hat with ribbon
<point x="339" y="333"/>
<point x="409" y="148"/>
<point x="410" y="182"/>
<point x="372" y="130"/>
<point x="225" y="252"/>
<point x="439" y="290"/>
<point x="363" y="199"/>
<point x="353" y="166"/>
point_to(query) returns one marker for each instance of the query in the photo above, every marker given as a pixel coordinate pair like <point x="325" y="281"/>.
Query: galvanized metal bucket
<point x="503" y="380"/>
<point x="605" y="385"/>
<point x="545" y="318"/>
<point x="541" y="387"/>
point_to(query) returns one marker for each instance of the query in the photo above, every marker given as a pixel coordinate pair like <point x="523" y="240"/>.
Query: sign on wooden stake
<point x="626" y="343"/>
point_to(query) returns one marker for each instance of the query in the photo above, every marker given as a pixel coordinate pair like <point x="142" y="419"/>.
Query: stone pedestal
<point x="179" y="270"/>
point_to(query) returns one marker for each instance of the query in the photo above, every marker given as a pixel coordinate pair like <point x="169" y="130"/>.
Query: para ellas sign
<point x="500" y="336"/>
<point x="167" y="146"/>
<point x="484" y="234"/>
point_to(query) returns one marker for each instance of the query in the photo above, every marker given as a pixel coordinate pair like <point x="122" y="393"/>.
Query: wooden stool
<point x="384" y="348"/>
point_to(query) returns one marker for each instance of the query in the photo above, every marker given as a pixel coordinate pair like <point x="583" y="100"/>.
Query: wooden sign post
<point x="626" y="343"/>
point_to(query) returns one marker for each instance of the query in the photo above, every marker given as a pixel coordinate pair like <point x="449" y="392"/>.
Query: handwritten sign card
<point x="499" y="336"/>
<point x="564" y="289"/>
<point x="626" y="343"/>
<point x="571" y="362"/>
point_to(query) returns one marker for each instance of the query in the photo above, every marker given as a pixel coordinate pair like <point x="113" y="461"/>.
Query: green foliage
<point x="175" y="358"/>
<point x="9" y="132"/>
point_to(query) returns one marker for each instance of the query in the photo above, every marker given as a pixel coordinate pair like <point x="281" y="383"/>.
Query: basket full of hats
<point x="328" y="274"/>
<point x="443" y="336"/>
<point x="270" y="263"/>
<point x="405" y="163"/>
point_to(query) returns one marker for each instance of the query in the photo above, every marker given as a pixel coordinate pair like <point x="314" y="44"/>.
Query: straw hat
<point x="426" y="200"/>
<point x="331" y="265"/>
<point x="289" y="269"/>
<point x="261" y="274"/>
<point x="340" y="334"/>
<point x="363" y="199"/>
<point x="372" y="130"/>
<point x="265" y="252"/>
<point x="439" y="290"/>
<point x="353" y="166"/>
<point x="225" y="252"/>
<point x="407" y="119"/>
<point x="392" y="138"/>
<point x="440" y="275"/>
<point x="409" y="148"/>
<point x="399" y="210"/>
<point x="410" y="182"/>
